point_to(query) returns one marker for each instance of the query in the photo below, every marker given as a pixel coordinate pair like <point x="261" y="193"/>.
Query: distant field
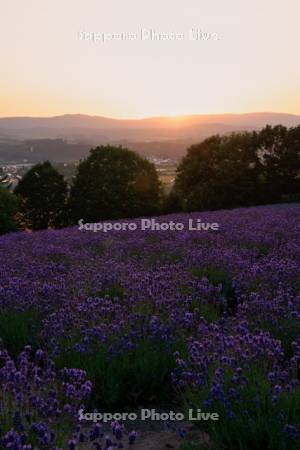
<point x="167" y="176"/>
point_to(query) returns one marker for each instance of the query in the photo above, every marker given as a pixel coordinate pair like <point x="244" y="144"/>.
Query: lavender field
<point x="118" y="320"/>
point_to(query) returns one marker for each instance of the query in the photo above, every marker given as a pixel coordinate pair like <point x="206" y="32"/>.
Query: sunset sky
<point x="251" y="64"/>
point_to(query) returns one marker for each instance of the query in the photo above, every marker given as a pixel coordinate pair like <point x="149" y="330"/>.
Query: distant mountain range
<point x="91" y="128"/>
<point x="156" y="136"/>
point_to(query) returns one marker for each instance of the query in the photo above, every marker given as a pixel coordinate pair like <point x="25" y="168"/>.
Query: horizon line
<point x="177" y="116"/>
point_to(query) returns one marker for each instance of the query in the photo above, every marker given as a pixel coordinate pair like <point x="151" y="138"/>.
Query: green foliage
<point x="172" y="202"/>
<point x="19" y="328"/>
<point x="114" y="183"/>
<point x="131" y="377"/>
<point x="280" y="156"/>
<point x="286" y="329"/>
<point x="253" y="421"/>
<point x="8" y="210"/>
<point x="219" y="172"/>
<point x="241" y="169"/>
<point x="210" y="312"/>
<point x="111" y="291"/>
<point x="192" y="446"/>
<point x="43" y="197"/>
<point x="218" y="277"/>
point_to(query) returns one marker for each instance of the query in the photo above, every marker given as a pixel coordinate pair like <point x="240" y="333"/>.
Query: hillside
<point x="148" y="317"/>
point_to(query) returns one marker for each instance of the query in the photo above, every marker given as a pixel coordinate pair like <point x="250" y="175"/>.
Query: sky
<point x="140" y="58"/>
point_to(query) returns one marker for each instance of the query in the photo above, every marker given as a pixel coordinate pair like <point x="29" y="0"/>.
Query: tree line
<point x="240" y="169"/>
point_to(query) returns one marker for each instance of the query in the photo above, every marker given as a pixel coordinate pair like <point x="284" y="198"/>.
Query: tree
<point x="114" y="182"/>
<point x="222" y="171"/>
<point x="172" y="202"/>
<point x="43" y="197"/>
<point x="279" y="152"/>
<point x="8" y="210"/>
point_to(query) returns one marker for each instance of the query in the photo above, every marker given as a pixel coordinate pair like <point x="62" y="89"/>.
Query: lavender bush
<point x="209" y="317"/>
<point x="39" y="405"/>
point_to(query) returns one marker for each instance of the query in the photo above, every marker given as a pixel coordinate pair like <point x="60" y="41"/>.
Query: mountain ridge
<point x="93" y="121"/>
<point x="166" y="136"/>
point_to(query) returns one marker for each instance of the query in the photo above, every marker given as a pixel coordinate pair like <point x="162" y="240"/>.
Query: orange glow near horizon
<point x="47" y="68"/>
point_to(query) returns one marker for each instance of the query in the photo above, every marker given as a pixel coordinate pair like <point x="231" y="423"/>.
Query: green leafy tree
<point x="279" y="151"/>
<point x="8" y="211"/>
<point x="221" y="171"/>
<point x="43" y="197"/>
<point x="171" y="202"/>
<point x="114" y="182"/>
